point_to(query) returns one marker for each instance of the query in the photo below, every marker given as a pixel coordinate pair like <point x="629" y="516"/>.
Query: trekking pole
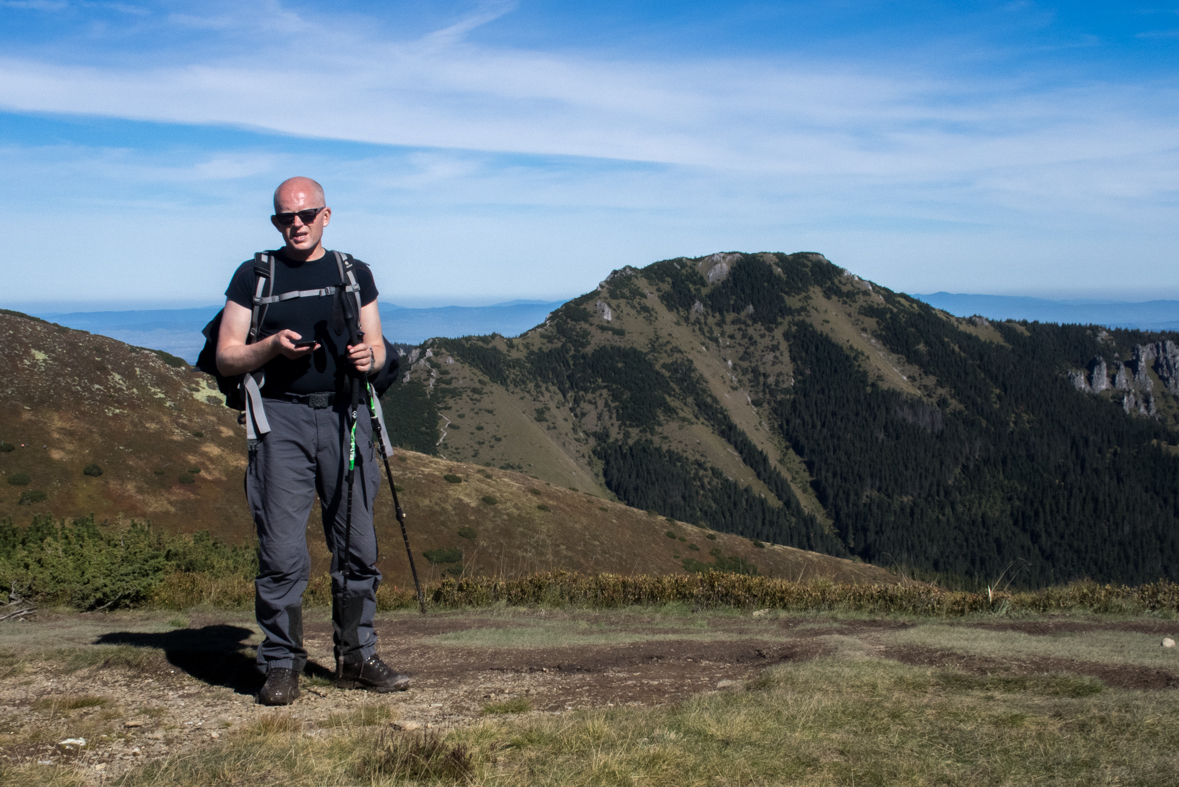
<point x="350" y="477"/>
<point x="380" y="433"/>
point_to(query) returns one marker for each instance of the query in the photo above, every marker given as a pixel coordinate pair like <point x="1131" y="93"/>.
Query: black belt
<point x="321" y="400"/>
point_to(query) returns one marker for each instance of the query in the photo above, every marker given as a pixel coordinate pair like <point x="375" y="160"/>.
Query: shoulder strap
<point x="263" y="274"/>
<point x="322" y="292"/>
<point x="345" y="264"/>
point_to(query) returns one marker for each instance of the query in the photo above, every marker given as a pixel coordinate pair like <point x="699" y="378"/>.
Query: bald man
<point x="303" y="350"/>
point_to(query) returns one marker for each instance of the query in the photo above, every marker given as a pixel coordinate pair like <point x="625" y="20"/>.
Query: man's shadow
<point x="217" y="655"/>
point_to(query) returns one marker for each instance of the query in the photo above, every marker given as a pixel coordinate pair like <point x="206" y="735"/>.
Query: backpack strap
<point x="263" y="276"/>
<point x="345" y="264"/>
<point x="252" y="382"/>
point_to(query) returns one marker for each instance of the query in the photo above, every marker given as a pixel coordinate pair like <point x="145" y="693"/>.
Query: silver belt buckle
<point x="319" y="401"/>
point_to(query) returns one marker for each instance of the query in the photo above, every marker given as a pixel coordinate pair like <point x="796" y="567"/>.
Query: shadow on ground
<point x="216" y="654"/>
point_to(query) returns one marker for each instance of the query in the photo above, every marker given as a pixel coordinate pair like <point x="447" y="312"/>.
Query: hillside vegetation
<point x="101" y="439"/>
<point x="780" y="398"/>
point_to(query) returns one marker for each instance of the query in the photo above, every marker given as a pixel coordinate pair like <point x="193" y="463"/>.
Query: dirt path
<point x="143" y="686"/>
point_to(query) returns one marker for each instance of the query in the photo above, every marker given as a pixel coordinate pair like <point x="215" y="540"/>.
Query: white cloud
<point x="504" y="161"/>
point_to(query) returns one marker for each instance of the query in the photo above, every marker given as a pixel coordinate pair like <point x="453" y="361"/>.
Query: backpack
<point x="243" y="392"/>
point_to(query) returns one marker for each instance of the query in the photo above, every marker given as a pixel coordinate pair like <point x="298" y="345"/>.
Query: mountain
<point x="178" y="331"/>
<point x="1146" y="316"/>
<point x="89" y="425"/>
<point x="781" y="398"/>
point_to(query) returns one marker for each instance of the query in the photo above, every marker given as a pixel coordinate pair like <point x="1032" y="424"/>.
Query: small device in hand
<point x="305" y="343"/>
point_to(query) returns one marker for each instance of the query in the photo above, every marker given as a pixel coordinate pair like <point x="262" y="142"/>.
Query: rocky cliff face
<point x="1132" y="381"/>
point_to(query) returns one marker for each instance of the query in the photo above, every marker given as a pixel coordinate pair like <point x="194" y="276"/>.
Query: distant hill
<point x="178" y="331"/>
<point x="89" y="425"/>
<point x="1145" y="316"/>
<point x="779" y="397"/>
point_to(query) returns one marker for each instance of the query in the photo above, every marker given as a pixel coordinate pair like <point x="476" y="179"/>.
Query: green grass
<point x="106" y="657"/>
<point x="861" y="722"/>
<point x="1113" y="647"/>
<point x="508" y="706"/>
<point x="834" y="721"/>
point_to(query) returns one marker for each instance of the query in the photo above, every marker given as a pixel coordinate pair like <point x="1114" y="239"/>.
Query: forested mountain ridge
<point x="779" y="397"/>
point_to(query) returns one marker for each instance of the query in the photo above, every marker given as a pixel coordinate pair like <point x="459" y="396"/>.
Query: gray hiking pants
<point x="305" y="454"/>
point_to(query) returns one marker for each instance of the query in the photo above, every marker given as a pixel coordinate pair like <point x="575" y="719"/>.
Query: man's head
<point x="293" y="200"/>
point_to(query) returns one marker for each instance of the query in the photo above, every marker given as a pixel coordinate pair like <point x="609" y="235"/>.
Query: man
<point x="303" y="348"/>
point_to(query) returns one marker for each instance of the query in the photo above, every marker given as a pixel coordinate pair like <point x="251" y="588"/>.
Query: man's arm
<point x="369" y="355"/>
<point x="235" y="357"/>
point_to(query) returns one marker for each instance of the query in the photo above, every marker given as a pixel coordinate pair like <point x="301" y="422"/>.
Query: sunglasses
<point x="305" y="216"/>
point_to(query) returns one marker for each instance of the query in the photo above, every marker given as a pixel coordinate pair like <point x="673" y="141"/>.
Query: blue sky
<point x="480" y="152"/>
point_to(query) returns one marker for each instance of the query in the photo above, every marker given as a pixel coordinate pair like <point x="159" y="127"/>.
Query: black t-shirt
<point x="311" y="318"/>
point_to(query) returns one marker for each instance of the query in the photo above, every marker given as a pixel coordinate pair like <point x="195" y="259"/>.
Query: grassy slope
<point x="579" y="532"/>
<point x="69" y="399"/>
<point x="89" y="399"/>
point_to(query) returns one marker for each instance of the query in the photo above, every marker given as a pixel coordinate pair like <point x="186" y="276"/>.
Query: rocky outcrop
<point x="603" y="310"/>
<point x="717" y="266"/>
<point x="1166" y="364"/>
<point x="1094" y="380"/>
<point x="1132" y="377"/>
<point x="626" y="270"/>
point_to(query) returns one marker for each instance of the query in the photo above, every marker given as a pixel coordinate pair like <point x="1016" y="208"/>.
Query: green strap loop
<point x="352" y="448"/>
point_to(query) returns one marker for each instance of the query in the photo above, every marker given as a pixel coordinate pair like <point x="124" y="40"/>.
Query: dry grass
<point x="69" y="702"/>
<point x="852" y="718"/>
<point x="364" y="716"/>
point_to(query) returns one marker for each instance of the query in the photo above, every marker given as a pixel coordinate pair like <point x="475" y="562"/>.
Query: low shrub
<point x="443" y="555"/>
<point x="19" y="479"/>
<point x="453" y="479"/>
<point x="489" y="500"/>
<point x="94" y="471"/>
<point x="670" y="534"/>
<point x="31" y="496"/>
<point x="194" y="471"/>
<point x="468" y="532"/>
<point x="6" y="447"/>
<point x="185" y="478"/>
<point x="88" y="566"/>
<point x="542" y="507"/>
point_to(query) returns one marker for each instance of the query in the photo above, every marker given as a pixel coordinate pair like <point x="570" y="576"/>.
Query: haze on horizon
<point x="483" y="152"/>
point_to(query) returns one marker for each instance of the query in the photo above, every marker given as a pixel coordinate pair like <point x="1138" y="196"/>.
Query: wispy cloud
<point x="487" y="12"/>
<point x="486" y="143"/>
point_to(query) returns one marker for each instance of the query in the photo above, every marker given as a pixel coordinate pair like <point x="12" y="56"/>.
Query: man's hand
<point x="362" y="357"/>
<point x="284" y="344"/>
<point x="234" y="356"/>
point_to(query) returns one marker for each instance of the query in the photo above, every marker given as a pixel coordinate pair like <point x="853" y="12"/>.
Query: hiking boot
<point x="281" y="687"/>
<point x="372" y="675"/>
